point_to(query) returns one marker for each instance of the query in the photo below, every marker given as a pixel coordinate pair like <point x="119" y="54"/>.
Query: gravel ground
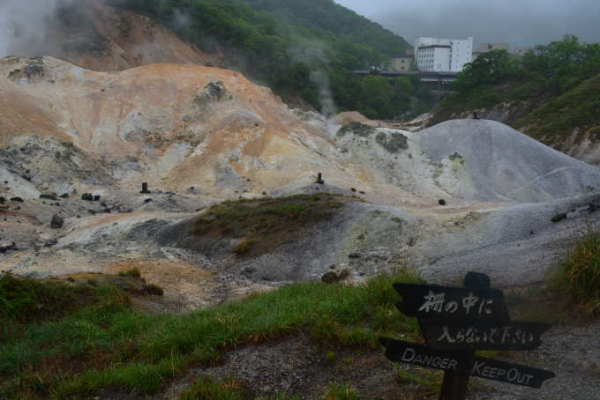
<point x="572" y="353"/>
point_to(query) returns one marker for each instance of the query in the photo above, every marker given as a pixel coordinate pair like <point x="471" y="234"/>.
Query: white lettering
<point x="477" y="367"/>
<point x="512" y="375"/>
<point x="409" y="355"/>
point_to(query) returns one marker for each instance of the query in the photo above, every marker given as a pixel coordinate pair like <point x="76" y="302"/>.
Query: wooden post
<point x="456" y="383"/>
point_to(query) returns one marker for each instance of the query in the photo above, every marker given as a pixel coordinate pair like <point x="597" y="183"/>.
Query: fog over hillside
<point x="523" y="23"/>
<point x="23" y="25"/>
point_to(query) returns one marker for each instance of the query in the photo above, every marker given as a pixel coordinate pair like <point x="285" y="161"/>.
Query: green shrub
<point x="579" y="275"/>
<point x="28" y="299"/>
<point x="133" y="272"/>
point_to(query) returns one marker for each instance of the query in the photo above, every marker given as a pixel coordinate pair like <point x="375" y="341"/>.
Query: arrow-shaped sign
<point x="423" y="356"/>
<point x="510" y="373"/>
<point x="451" y="303"/>
<point x="459" y="361"/>
<point x="483" y="335"/>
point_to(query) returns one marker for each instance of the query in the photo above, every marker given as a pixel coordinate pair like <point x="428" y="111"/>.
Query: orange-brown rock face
<point x="95" y="36"/>
<point x="187" y="125"/>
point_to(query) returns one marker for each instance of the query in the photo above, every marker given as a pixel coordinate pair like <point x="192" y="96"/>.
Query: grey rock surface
<point x="503" y="164"/>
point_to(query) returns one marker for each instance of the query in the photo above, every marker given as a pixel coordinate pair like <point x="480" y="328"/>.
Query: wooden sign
<point x="458" y="321"/>
<point x="423" y="356"/>
<point x="443" y="302"/>
<point x="510" y="373"/>
<point x="483" y="335"/>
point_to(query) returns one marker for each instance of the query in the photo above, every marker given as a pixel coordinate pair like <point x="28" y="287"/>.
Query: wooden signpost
<point x="458" y="321"/>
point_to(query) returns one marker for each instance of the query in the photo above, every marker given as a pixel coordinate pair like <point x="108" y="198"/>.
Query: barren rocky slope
<point x="198" y="135"/>
<point x="97" y="36"/>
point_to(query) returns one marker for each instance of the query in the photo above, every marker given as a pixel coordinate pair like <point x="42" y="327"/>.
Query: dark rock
<point x="356" y="128"/>
<point x="57" y="222"/>
<point x="320" y="180"/>
<point x="2" y="200"/>
<point x="354" y="255"/>
<point x="7" y="246"/>
<point x="332" y="276"/>
<point x="16" y="200"/>
<point x="392" y="142"/>
<point x="97" y="197"/>
<point x="64" y="196"/>
<point x="145" y="188"/>
<point x="442" y="202"/>
<point x="87" y="197"/>
<point x="50" y="243"/>
<point x="213" y="92"/>
<point x="353" y="190"/>
<point x="148" y="201"/>
<point x="361" y="192"/>
<point x="153" y="290"/>
<point x="559" y="217"/>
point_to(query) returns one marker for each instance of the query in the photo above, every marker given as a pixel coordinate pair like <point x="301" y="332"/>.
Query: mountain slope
<point x="328" y="17"/>
<point x="300" y="49"/>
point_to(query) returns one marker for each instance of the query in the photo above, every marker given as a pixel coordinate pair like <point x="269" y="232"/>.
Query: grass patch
<point x="26" y="300"/>
<point x="263" y="225"/>
<point x="206" y="388"/>
<point x="578" y="277"/>
<point x="133" y="272"/>
<point x="340" y="392"/>
<point x="108" y="345"/>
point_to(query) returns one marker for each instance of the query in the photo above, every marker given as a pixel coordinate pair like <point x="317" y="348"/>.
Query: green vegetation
<point x="297" y="47"/>
<point x="578" y="277"/>
<point x="576" y="108"/>
<point x="105" y="344"/>
<point x="206" y="388"/>
<point x="340" y="392"/>
<point x="265" y="224"/>
<point x="133" y="272"/>
<point x="556" y="86"/>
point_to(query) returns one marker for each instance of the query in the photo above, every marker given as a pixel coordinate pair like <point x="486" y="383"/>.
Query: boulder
<point x="57" y="222"/>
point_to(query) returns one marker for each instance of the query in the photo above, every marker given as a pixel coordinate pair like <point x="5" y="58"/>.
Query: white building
<point x="443" y="55"/>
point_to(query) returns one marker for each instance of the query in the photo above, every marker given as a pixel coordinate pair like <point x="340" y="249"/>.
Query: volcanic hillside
<point x="211" y="188"/>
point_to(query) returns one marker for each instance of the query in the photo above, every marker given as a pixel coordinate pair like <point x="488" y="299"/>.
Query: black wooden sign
<point x="458" y="321"/>
<point x="510" y="373"/>
<point x="483" y="335"/>
<point x="443" y="302"/>
<point x="423" y="356"/>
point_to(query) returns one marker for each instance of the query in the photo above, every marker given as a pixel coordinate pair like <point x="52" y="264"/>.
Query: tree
<point x="489" y="68"/>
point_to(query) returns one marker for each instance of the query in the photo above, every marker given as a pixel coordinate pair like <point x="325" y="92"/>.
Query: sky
<point x="519" y="23"/>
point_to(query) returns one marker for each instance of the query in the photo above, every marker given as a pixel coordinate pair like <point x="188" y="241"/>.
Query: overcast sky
<point x="517" y="22"/>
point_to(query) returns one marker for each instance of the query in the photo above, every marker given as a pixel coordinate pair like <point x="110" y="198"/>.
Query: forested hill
<point x="299" y="48"/>
<point x="329" y="17"/>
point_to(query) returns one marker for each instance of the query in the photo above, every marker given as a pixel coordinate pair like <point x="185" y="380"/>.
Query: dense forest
<point x="557" y="84"/>
<point x="302" y="49"/>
